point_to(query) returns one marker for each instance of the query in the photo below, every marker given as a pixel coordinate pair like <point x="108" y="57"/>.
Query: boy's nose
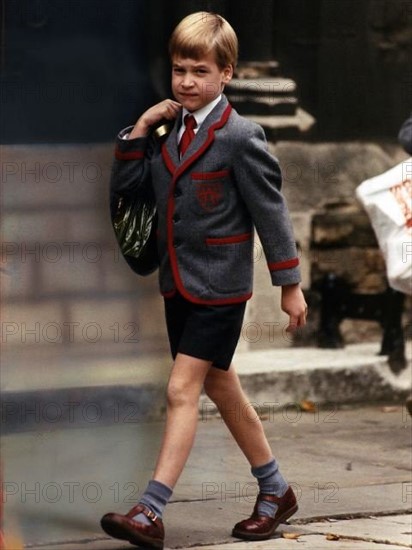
<point x="187" y="81"/>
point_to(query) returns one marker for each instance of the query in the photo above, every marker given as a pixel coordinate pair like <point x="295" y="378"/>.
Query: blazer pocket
<point x="210" y="191"/>
<point x="243" y="237"/>
<point x="230" y="263"/>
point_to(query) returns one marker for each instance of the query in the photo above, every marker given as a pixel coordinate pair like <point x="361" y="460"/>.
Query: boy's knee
<point x="180" y="393"/>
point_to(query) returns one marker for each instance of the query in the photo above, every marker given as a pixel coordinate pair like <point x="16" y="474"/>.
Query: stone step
<point x="267" y="86"/>
<point x="285" y="127"/>
<point x="257" y="69"/>
<point x="278" y="379"/>
<point x="263" y="105"/>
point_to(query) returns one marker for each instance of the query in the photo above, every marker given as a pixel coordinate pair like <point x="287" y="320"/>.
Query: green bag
<point x="135" y="225"/>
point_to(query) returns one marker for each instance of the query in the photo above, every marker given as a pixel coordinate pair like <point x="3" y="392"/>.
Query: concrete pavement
<point x="350" y="467"/>
<point x="75" y="447"/>
<point x="375" y="533"/>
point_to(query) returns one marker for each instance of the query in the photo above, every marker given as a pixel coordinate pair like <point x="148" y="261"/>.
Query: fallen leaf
<point x="390" y="409"/>
<point x="291" y="536"/>
<point x="332" y="536"/>
<point x="307" y="406"/>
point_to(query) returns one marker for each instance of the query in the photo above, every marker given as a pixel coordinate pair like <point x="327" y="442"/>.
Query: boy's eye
<point x="201" y="71"/>
<point x="178" y="70"/>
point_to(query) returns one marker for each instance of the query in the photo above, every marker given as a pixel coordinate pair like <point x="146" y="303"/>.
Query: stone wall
<point x="67" y="295"/>
<point x="321" y="173"/>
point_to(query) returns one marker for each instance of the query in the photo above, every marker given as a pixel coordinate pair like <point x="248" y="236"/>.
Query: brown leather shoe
<point x="262" y="527"/>
<point x="126" y="528"/>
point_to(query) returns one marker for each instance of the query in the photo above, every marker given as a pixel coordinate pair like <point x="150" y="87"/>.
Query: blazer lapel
<point x="200" y="140"/>
<point x="171" y="142"/>
<point x="203" y="133"/>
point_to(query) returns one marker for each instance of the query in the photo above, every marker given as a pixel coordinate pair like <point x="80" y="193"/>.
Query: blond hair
<point x="202" y="32"/>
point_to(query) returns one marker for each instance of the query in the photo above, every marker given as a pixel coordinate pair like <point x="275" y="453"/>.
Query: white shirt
<point x="199" y="115"/>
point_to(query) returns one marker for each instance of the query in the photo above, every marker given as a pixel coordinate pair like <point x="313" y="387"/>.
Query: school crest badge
<point x="209" y="195"/>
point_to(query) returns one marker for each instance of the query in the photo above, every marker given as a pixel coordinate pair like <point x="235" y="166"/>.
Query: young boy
<point x="214" y="180"/>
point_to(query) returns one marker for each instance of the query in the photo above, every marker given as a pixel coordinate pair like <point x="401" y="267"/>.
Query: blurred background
<point x="66" y="63"/>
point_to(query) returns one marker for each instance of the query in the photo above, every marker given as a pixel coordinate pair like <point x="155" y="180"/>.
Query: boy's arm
<point x="293" y="303"/>
<point x="165" y="110"/>
<point x="130" y="171"/>
<point x="259" y="180"/>
<point x="134" y="146"/>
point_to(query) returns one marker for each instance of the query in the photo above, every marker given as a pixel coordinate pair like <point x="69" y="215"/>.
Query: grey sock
<point x="271" y="482"/>
<point x="155" y="498"/>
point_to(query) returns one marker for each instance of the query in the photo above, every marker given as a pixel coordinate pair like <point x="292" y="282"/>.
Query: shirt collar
<point x="202" y="113"/>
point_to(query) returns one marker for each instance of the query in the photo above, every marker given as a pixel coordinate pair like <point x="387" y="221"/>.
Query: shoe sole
<point x="122" y="532"/>
<point x="263" y="536"/>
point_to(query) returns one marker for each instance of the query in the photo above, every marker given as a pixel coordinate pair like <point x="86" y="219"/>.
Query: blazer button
<point x="177" y="193"/>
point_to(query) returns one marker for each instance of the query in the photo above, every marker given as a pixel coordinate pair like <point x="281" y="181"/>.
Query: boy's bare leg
<point x="276" y="501"/>
<point x="183" y="391"/>
<point x="224" y="389"/>
<point x="143" y="522"/>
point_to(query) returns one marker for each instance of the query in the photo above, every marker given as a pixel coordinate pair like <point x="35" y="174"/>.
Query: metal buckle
<point x="151" y="515"/>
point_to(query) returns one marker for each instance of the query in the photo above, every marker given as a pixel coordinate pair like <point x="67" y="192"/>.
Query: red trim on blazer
<point x="131" y="155"/>
<point x="213" y="302"/>
<point x="210" y="175"/>
<point x="177" y="172"/>
<point x="286" y="264"/>
<point x="229" y="240"/>
<point x="210" y="139"/>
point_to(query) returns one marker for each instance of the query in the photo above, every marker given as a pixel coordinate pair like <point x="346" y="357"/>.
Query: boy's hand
<point x="293" y="303"/>
<point x="167" y="109"/>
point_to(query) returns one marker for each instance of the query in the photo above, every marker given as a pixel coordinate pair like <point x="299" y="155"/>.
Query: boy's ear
<point x="227" y="74"/>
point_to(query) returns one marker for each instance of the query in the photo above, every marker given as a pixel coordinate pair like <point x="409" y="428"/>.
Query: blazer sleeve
<point x="259" y="181"/>
<point x="130" y="172"/>
<point x="405" y="135"/>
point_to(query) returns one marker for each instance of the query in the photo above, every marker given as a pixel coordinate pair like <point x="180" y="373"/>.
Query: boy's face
<point x="195" y="83"/>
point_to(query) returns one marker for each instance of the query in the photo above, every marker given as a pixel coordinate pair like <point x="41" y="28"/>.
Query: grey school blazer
<point x="208" y="204"/>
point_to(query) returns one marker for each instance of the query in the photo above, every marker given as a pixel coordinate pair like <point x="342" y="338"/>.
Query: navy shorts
<point x="205" y="332"/>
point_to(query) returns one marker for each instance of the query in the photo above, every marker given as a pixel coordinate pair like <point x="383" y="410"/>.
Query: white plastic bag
<point x="387" y="198"/>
